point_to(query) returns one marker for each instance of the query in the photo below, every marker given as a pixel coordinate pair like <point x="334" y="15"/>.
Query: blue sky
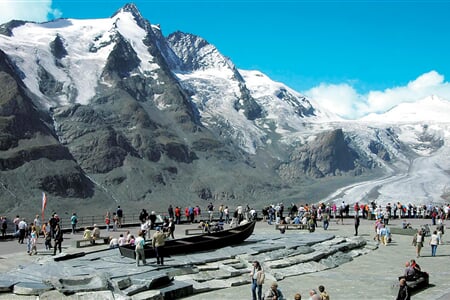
<point x="365" y="56"/>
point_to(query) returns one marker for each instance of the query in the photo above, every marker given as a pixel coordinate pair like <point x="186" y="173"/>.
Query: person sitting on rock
<point x="113" y="242"/>
<point x="95" y="233"/>
<point x="273" y="293"/>
<point x="410" y="272"/>
<point x="87" y="235"/>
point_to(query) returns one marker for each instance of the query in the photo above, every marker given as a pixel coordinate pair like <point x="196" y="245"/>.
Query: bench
<point x="191" y="231"/>
<point x="291" y="226"/>
<point x="85" y="243"/>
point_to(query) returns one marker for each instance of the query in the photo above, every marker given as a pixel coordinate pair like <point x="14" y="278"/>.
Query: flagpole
<point x="44" y="204"/>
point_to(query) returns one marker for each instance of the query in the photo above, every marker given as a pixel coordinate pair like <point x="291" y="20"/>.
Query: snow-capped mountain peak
<point x="87" y="45"/>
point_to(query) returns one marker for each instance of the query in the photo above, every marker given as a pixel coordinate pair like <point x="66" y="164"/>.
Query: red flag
<point x="44" y="204"/>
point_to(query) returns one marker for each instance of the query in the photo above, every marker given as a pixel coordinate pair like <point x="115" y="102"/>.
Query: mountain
<point x="107" y="112"/>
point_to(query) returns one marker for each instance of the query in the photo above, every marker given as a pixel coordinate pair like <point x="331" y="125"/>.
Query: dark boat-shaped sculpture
<point x="196" y="243"/>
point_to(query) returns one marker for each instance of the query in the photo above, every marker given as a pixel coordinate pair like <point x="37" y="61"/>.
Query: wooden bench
<point x="291" y="226"/>
<point x="191" y="231"/>
<point x="86" y="243"/>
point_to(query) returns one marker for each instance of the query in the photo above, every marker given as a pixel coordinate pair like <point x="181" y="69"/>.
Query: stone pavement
<point x="369" y="276"/>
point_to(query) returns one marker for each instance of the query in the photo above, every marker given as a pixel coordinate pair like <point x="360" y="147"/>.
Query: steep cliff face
<point x="328" y="154"/>
<point x="32" y="159"/>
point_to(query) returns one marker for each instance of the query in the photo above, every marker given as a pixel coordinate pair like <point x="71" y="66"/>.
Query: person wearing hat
<point x="158" y="242"/>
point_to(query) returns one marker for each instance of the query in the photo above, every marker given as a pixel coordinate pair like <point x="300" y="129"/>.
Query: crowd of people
<point x="29" y="232"/>
<point x="274" y="292"/>
<point x="308" y="215"/>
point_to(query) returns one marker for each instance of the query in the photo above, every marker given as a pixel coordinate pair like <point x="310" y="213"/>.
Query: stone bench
<point x="191" y="231"/>
<point x="85" y="243"/>
<point x="291" y="226"/>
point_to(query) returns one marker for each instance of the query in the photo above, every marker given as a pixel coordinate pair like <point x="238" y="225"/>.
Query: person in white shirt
<point x="113" y="242"/>
<point x="122" y="240"/>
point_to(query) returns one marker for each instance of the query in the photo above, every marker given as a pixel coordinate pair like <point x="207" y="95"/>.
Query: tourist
<point x="170" y="211"/>
<point x="403" y="291"/>
<point x="33" y="240"/>
<point x="132" y="240"/>
<point x="221" y="212"/>
<point x="158" y="242"/>
<point x="313" y="295"/>
<point x="440" y="230"/>
<point x="4" y="224"/>
<point x="357" y="222"/>
<point x="53" y="221"/>
<point x="139" y="249"/>
<point x="113" y="242"/>
<point x="177" y="215"/>
<point x="48" y="240"/>
<point x="115" y="221"/>
<point x="418" y="241"/>
<point x="16" y="222"/>
<point x="434" y="242"/>
<point x="119" y="213"/>
<point x="377" y="228"/>
<point x="226" y="211"/>
<point x="22" y="230"/>
<point x="28" y="237"/>
<point x="323" y="294"/>
<point x="416" y="267"/>
<point x="257" y="276"/>
<point x="122" y="240"/>
<point x="152" y="219"/>
<point x="58" y="239"/>
<point x="37" y="223"/>
<point x="145" y="227"/>
<point x="128" y="236"/>
<point x="273" y="293"/>
<point x="325" y="220"/>
<point x="383" y="235"/>
<point x="95" y="233"/>
<point x="171" y="228"/>
<point x="107" y="220"/>
<point x="297" y="296"/>
<point x="409" y="272"/>
<point x="87" y="235"/>
<point x="210" y="211"/>
<point x="73" y="222"/>
<point x="143" y="215"/>
<point x="187" y="213"/>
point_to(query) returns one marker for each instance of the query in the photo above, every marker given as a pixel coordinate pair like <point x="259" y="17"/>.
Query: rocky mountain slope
<point x="100" y="113"/>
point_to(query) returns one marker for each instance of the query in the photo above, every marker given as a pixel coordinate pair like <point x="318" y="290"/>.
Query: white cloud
<point x="339" y="98"/>
<point x="27" y="10"/>
<point x="344" y="100"/>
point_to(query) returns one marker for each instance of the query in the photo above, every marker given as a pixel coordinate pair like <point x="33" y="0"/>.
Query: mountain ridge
<point x="141" y="120"/>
